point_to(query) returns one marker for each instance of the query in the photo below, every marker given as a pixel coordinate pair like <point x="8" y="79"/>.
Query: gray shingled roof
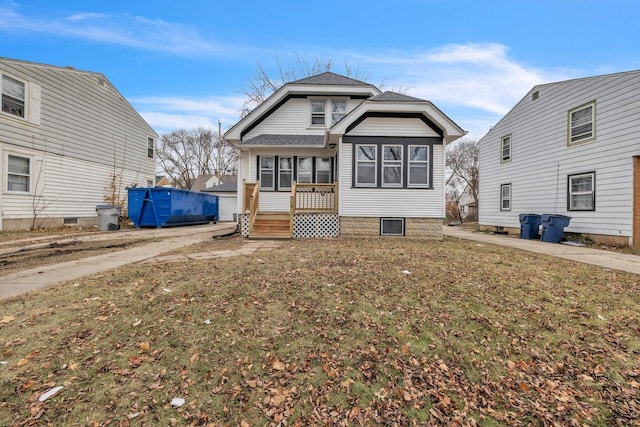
<point x="308" y="140"/>
<point x="227" y="187"/>
<point x="329" y="78"/>
<point x="395" y="97"/>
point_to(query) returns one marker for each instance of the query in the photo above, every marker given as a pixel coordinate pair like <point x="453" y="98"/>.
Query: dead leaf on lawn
<point x="195" y="357"/>
<point x="7" y="319"/>
<point x="144" y="346"/>
<point x="278" y="365"/>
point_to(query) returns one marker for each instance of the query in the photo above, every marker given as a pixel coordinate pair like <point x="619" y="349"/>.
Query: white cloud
<point x="120" y="29"/>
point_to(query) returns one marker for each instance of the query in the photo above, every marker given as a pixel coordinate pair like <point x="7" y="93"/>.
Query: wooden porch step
<point x="271" y="226"/>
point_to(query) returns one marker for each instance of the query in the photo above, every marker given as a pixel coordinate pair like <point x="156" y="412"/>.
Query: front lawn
<point x="330" y="332"/>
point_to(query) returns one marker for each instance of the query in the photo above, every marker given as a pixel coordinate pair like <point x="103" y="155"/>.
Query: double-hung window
<point x="338" y="111"/>
<point x="318" y="112"/>
<point x="505" y="197"/>
<point x="582" y="123"/>
<point x="151" y="145"/>
<point x="267" y="173"/>
<point x="13" y="96"/>
<point x="366" y="167"/>
<point x="323" y="170"/>
<point x="305" y="170"/>
<point x="505" y="149"/>
<point x="285" y="172"/>
<point x="392" y="165"/>
<point x="18" y="174"/>
<point x="581" y="195"/>
<point x="418" y="166"/>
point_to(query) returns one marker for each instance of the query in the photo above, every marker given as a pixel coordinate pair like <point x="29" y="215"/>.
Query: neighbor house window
<point x="392" y="165"/>
<point x="338" y="111"/>
<point x="505" y="149"/>
<point x="323" y="170"/>
<point x="18" y="173"/>
<point x="582" y="123"/>
<point x="392" y="226"/>
<point x="505" y="197"/>
<point x="285" y="172"/>
<point x="151" y="145"/>
<point x="305" y="169"/>
<point x="13" y="96"/>
<point x="582" y="195"/>
<point x="267" y="168"/>
<point x="318" y="112"/>
<point x="366" y="156"/>
<point x="418" y="166"/>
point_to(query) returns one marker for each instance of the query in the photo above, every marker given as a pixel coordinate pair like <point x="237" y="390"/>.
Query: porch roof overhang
<point x="288" y="141"/>
<point x="435" y="118"/>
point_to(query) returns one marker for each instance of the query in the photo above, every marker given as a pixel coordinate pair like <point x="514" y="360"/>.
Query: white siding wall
<point x="541" y="159"/>
<point x="391" y="126"/>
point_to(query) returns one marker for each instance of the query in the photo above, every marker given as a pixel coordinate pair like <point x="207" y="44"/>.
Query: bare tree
<point x="263" y="84"/>
<point x="462" y="166"/>
<point x="184" y="155"/>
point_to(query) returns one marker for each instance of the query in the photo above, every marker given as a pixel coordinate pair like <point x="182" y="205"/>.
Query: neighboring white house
<point x="227" y="193"/>
<point x="336" y="156"/>
<point x="569" y="148"/>
<point x="68" y="139"/>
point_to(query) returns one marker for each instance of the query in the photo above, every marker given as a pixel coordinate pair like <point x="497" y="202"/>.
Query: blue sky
<point x="184" y="64"/>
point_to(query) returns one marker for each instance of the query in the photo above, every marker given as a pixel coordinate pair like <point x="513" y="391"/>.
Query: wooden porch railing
<point x="251" y="201"/>
<point x="314" y="197"/>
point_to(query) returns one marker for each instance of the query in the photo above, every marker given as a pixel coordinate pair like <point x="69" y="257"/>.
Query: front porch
<point x="312" y="213"/>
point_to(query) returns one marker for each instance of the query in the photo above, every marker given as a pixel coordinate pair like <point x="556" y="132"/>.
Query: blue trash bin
<point x="529" y="225"/>
<point x="169" y="207"/>
<point x="553" y="227"/>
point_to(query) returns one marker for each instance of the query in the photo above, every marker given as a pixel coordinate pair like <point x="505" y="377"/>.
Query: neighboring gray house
<point x="332" y="156"/>
<point x="570" y="148"/>
<point x="68" y="139"/>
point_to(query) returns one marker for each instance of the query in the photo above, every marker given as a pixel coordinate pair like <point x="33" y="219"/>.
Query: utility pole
<point x="219" y="151"/>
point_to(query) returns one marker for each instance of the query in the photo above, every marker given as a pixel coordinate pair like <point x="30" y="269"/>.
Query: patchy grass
<point x="330" y="332"/>
<point x="230" y="243"/>
<point x="7" y="236"/>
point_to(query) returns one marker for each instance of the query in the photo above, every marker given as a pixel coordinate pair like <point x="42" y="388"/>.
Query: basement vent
<point x="71" y="221"/>
<point x="535" y="95"/>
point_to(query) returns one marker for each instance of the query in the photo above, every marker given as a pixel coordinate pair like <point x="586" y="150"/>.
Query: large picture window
<point x="18" y="173"/>
<point x="13" y="96"/>
<point x="582" y="123"/>
<point x="581" y="195"/>
<point x="505" y="197"/>
<point x="366" y="165"/>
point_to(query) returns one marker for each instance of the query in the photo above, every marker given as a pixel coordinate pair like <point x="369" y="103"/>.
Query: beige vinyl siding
<point x="390" y="202"/>
<point x="80" y="117"/>
<point x="65" y="187"/>
<point x="542" y="159"/>
<point x="391" y="126"/>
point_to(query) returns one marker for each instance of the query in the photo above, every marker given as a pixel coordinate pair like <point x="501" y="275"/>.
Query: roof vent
<point x="535" y="95"/>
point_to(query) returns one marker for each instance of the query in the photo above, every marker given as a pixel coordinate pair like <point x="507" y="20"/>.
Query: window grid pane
<point x="581" y="192"/>
<point x="392" y="165"/>
<point x="505" y="197"/>
<point x="266" y="172"/>
<point x="366" y="156"/>
<point x="418" y="166"/>
<point x="286" y="172"/>
<point x="18" y="173"/>
<point x="581" y="124"/>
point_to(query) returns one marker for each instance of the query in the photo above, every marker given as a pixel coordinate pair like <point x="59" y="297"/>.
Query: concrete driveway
<point x="607" y="259"/>
<point x="168" y="240"/>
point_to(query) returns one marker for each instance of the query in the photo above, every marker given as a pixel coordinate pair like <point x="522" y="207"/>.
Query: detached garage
<point x="228" y="200"/>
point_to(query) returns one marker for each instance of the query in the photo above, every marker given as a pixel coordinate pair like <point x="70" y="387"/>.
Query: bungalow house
<point x="68" y="142"/>
<point x="568" y="148"/>
<point x="329" y="156"/>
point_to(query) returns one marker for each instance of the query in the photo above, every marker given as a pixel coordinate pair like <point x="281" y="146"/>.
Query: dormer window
<point x="327" y="111"/>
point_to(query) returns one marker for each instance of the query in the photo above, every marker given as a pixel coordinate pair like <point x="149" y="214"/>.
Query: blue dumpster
<point x="553" y="227"/>
<point x="168" y="207"/>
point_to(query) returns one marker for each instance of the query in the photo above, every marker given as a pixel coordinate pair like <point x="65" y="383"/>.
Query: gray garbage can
<point x="108" y="217"/>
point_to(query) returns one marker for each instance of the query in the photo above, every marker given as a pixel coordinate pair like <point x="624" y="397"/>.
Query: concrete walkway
<point x="168" y="239"/>
<point x="606" y="259"/>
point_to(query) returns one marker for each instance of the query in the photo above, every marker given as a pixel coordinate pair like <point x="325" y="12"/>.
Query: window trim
<point x="404" y="226"/>
<point x="375" y="166"/>
<point x="328" y="112"/>
<point x="311" y="113"/>
<point x="330" y="102"/>
<point x="427" y="162"/>
<point x="503" y="199"/>
<point x="298" y="168"/>
<point x="588" y="138"/>
<point x="385" y="163"/>
<point x="503" y="158"/>
<point x="291" y="172"/>
<point x="316" y="169"/>
<point x="273" y="173"/>
<point x="25" y="101"/>
<point x="6" y="190"/>
<point x="151" y="147"/>
<point x="592" y="192"/>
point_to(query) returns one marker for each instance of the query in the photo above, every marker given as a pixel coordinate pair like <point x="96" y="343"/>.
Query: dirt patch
<point x="60" y="251"/>
<point x="231" y="243"/>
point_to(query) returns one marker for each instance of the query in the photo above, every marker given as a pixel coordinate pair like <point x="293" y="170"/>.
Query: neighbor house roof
<point x="201" y="182"/>
<point x="227" y="187"/>
<point x="389" y="96"/>
<point x="329" y="78"/>
<point x="271" y="140"/>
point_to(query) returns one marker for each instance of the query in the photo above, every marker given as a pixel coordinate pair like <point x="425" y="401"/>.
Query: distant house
<point x="332" y="156"/>
<point x="227" y="193"/>
<point x="205" y="181"/>
<point x="570" y="148"/>
<point x="69" y="141"/>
